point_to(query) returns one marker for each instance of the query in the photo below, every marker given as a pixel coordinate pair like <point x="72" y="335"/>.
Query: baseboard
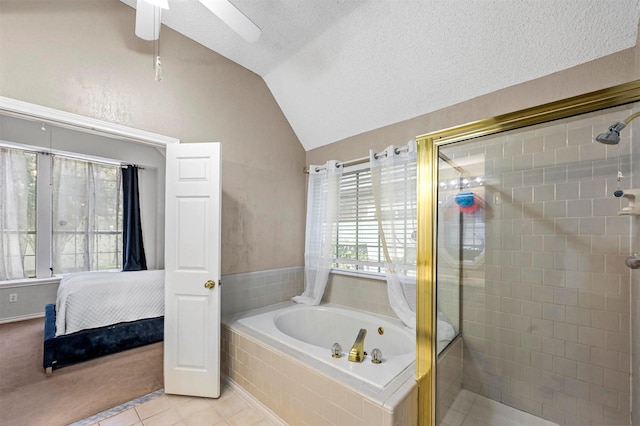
<point x="22" y="318"/>
<point x="251" y="400"/>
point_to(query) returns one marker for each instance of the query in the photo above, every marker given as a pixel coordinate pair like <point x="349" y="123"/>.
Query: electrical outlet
<point x="13" y="297"/>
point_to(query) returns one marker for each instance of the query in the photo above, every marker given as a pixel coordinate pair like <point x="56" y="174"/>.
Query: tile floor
<point x="159" y="409"/>
<point x="470" y="409"/>
<point x="235" y="408"/>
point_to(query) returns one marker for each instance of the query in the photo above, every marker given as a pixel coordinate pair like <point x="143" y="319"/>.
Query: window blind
<point x="358" y="246"/>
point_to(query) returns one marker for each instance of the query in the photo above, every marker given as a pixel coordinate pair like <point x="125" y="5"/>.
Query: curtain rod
<point x="360" y="160"/>
<point x="74" y="156"/>
<point x="347" y="163"/>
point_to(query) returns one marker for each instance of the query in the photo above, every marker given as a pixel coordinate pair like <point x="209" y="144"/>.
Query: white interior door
<point x="192" y="268"/>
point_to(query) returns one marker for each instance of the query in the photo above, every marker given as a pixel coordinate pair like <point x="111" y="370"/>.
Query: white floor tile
<point x="464" y="401"/>
<point x="161" y="409"/>
<point x="470" y="409"/>
<point x="453" y="418"/>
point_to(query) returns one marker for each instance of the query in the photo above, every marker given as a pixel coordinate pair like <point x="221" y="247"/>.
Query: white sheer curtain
<point x="14" y="202"/>
<point x="393" y="176"/>
<point x="323" y="196"/>
<point x="86" y="203"/>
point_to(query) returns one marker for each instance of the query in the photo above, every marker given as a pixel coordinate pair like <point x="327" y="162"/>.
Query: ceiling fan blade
<point x="147" y="20"/>
<point x="231" y="16"/>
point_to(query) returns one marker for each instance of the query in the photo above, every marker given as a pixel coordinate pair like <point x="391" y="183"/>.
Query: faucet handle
<point x="376" y="356"/>
<point x="633" y="261"/>
<point x="336" y="350"/>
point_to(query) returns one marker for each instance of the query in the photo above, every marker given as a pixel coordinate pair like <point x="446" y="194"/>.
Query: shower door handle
<point x="210" y="284"/>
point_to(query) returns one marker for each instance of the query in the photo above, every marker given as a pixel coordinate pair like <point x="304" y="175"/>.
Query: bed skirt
<point x="88" y="344"/>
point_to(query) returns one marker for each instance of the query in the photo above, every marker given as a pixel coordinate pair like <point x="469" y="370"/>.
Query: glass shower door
<point x="529" y="232"/>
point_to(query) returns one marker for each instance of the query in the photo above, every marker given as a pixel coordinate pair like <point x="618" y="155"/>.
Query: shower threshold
<point x="472" y="409"/>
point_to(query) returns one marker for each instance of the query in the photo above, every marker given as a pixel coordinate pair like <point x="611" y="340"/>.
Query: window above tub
<point x="358" y="246"/>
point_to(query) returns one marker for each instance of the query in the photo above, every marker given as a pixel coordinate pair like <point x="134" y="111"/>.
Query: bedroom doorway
<point x="74" y="122"/>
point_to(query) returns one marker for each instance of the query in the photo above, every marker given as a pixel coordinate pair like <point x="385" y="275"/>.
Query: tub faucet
<point x="357" y="350"/>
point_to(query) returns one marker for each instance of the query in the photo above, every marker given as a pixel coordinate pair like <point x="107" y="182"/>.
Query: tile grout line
<point x="254" y="403"/>
<point x="241" y="393"/>
<point x="119" y="409"/>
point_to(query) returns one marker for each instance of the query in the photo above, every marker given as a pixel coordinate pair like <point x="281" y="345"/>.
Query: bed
<point x="100" y="313"/>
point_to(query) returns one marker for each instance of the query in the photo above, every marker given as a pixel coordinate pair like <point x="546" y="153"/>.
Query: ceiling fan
<point x="148" y="15"/>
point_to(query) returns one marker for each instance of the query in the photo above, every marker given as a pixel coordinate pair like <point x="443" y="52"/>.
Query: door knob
<point x="210" y="284"/>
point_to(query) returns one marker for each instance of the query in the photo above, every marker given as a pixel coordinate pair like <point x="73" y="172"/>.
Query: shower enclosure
<point x="526" y="259"/>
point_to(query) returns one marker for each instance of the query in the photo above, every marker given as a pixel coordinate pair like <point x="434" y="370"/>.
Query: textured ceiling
<point x="338" y="68"/>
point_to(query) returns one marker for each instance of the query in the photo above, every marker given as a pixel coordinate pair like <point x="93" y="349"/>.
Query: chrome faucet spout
<point x="357" y="350"/>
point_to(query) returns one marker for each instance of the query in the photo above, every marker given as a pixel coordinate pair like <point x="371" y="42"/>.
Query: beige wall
<point x="599" y="74"/>
<point x="83" y="57"/>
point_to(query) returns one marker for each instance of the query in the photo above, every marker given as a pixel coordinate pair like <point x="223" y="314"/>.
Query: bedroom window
<point x="86" y="216"/>
<point x="17" y="213"/>
<point x="58" y="215"/>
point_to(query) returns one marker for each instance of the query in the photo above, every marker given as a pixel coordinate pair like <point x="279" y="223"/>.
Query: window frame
<point x="380" y="274"/>
<point x="91" y="165"/>
<point x="44" y="117"/>
<point x="43" y="250"/>
<point x="357" y="263"/>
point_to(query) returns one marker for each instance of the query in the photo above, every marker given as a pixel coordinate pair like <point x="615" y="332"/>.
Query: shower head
<point x="612" y="137"/>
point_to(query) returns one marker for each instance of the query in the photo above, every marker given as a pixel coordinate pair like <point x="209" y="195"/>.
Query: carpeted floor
<point x="28" y="397"/>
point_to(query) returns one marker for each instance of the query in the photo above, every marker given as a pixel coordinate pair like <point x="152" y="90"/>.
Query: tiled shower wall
<point x="546" y="318"/>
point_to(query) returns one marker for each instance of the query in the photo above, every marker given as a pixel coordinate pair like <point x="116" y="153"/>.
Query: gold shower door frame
<point x="428" y="151"/>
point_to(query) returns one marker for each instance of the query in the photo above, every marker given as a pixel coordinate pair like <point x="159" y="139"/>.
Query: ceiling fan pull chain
<point x="158" y="68"/>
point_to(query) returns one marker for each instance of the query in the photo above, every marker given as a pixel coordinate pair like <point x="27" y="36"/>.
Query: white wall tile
<point x="591" y="336"/>
<point x="553" y="312"/>
<point x="580" y="136"/>
<point x="579" y="208"/>
<point x="555" y="209"/>
<point x="605" y="320"/>
<point x="618" y="225"/>
<point x="605" y="358"/>
<point x="578" y="316"/>
<point x="533" y="144"/>
<point x="592" y="226"/>
<point x="591" y="152"/>
<point x="567" y="332"/>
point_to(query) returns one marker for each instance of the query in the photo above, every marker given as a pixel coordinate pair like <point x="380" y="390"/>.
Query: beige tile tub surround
<point x="365" y="294"/>
<point x="246" y="291"/>
<point x="302" y="391"/>
<point x="292" y="390"/>
<point x="449" y="377"/>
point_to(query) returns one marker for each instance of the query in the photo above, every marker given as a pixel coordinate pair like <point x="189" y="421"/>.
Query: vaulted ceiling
<point x="338" y="68"/>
